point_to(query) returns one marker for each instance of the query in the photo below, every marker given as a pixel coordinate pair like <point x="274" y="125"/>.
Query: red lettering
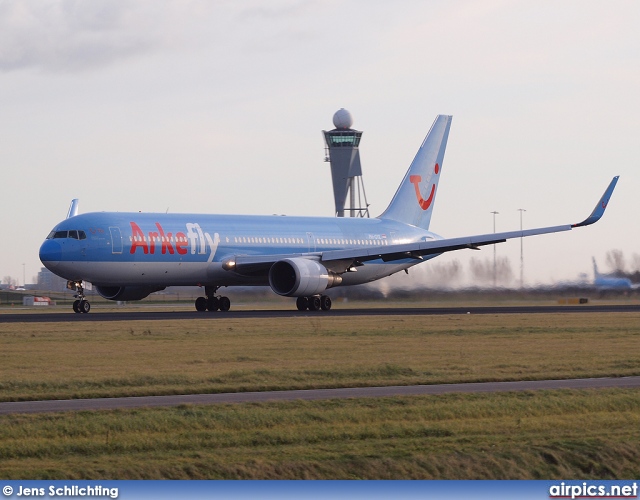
<point x="181" y="243"/>
<point x="137" y="239"/>
<point x="152" y="242"/>
<point x="166" y="240"/>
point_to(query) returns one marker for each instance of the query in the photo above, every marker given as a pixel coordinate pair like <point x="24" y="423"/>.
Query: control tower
<point x="341" y="149"/>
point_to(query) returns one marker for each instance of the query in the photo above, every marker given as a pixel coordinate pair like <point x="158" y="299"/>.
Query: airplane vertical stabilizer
<point x="413" y="202"/>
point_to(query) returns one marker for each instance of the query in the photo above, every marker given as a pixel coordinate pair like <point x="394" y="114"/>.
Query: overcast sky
<point x="218" y="107"/>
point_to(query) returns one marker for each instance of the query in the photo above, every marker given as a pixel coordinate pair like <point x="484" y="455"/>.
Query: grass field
<point x="542" y="435"/>
<point x="66" y="360"/>
<point x="547" y="434"/>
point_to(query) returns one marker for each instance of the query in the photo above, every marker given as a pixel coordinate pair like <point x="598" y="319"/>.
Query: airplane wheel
<point x="213" y="304"/>
<point x="225" y="303"/>
<point x="314" y="303"/>
<point x="325" y="302"/>
<point x="201" y="304"/>
<point x="302" y="303"/>
<point x="76" y="306"/>
<point x="84" y="306"/>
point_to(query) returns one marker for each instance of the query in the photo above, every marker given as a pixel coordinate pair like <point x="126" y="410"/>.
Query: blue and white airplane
<point x="127" y="256"/>
<point x="604" y="282"/>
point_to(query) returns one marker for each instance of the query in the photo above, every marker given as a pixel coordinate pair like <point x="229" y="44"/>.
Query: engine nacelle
<point x="125" y="293"/>
<point x="299" y="277"/>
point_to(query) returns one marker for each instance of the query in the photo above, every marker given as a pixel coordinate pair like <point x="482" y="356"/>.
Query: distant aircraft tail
<point x="414" y="200"/>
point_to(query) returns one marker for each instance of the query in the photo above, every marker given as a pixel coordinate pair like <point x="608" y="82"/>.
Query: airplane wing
<point x="420" y="249"/>
<point x="341" y="260"/>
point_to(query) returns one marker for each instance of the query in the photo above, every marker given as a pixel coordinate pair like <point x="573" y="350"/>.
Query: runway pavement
<point x="308" y="395"/>
<point x="135" y="314"/>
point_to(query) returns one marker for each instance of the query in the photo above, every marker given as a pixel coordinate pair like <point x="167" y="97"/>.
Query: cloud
<point x="79" y="35"/>
<point x="75" y="35"/>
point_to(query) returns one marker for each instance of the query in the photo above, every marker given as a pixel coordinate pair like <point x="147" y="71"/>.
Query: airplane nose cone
<point x="50" y="254"/>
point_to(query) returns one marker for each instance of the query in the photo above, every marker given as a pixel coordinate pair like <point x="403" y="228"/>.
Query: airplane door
<point x="116" y="240"/>
<point x="312" y="242"/>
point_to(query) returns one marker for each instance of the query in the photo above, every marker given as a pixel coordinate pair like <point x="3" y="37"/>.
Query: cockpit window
<point x="73" y="233"/>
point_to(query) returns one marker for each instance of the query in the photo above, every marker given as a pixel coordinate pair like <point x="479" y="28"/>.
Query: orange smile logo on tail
<point x="415" y="180"/>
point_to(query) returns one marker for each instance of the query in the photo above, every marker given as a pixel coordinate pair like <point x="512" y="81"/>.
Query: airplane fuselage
<point x="191" y="249"/>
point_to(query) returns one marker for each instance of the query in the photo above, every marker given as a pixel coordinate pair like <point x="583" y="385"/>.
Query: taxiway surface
<point x="309" y="395"/>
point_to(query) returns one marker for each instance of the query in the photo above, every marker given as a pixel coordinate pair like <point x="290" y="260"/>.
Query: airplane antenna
<point x="341" y="150"/>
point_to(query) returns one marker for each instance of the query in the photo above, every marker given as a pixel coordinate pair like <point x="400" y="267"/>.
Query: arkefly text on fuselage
<point x="128" y="256"/>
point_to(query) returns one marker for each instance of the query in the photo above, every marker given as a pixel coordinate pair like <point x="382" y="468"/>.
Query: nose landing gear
<point x="80" y="305"/>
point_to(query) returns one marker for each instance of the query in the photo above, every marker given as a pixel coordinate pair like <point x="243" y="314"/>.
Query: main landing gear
<point x="80" y="305"/>
<point x="212" y="302"/>
<point x="314" y="303"/>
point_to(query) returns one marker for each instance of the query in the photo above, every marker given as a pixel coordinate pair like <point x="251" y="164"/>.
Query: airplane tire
<point x="76" y="306"/>
<point x="325" y="302"/>
<point x="213" y="304"/>
<point x="302" y="303"/>
<point x="84" y="306"/>
<point x="201" y="304"/>
<point x="225" y="303"/>
<point x="314" y="303"/>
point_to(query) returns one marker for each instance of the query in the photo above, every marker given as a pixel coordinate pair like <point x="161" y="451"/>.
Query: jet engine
<point x="125" y="293"/>
<point x="299" y="277"/>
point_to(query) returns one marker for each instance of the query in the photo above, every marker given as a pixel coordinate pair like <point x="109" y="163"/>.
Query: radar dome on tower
<point x="342" y="119"/>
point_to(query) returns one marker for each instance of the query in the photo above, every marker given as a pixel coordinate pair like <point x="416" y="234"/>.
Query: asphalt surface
<point x="136" y="315"/>
<point x="309" y="395"/>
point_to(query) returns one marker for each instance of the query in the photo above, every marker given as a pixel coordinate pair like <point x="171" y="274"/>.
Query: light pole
<point x="521" y="250"/>
<point x="494" y="248"/>
<point x="24" y="281"/>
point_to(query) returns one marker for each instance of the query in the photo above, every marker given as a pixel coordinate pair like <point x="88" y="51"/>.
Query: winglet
<point x="73" y="208"/>
<point x="600" y="207"/>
